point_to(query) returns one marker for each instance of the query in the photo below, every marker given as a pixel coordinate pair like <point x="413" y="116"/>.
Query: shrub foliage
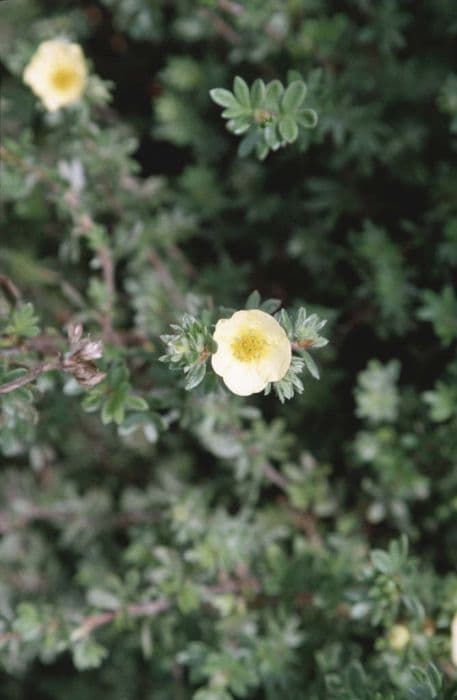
<point x="161" y="537"/>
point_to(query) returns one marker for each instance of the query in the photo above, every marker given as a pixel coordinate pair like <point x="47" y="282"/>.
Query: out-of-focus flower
<point x="252" y="351"/>
<point x="57" y="73"/>
<point x="454" y="640"/>
<point x="398" y="637"/>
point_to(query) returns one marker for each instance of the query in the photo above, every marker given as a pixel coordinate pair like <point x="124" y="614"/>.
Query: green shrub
<point x="160" y="535"/>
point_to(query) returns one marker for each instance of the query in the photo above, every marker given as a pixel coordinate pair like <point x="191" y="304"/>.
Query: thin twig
<point x="29" y="376"/>
<point x="222" y="27"/>
<point x="9" y="523"/>
<point x="39" y="173"/>
<point x="135" y="610"/>
<point x="156" y="607"/>
<point x="107" y="266"/>
<point x="167" y="280"/>
<point x="10" y="288"/>
<point x="274" y="476"/>
<point x="232" y="8"/>
<point x="269" y="471"/>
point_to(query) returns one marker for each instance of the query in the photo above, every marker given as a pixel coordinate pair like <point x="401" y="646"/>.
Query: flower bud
<point x="398" y="637"/>
<point x="74" y="332"/>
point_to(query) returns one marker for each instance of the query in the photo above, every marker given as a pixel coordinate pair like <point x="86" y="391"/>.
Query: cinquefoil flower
<point x="252" y="351"/>
<point x="454" y="640"/>
<point x="57" y="73"/>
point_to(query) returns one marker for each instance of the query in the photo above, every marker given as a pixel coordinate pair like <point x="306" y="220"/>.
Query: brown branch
<point x="107" y="266"/>
<point x="156" y="607"/>
<point x="39" y="173"/>
<point x="56" y="516"/>
<point x="43" y="344"/>
<point x="178" y="255"/>
<point x="308" y="523"/>
<point x="167" y="280"/>
<point x="232" y="8"/>
<point x="6" y="636"/>
<point x="10" y="288"/>
<point x="135" y="610"/>
<point x="29" y="376"/>
<point x="222" y="27"/>
<point x="153" y="608"/>
<point x="274" y="476"/>
<point x="269" y="471"/>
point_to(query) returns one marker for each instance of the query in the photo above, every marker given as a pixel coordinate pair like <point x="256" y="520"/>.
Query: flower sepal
<point x="188" y="349"/>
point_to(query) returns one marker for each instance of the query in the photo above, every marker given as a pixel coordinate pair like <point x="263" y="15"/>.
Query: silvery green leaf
<point x="288" y="128"/>
<point x="253" y="300"/>
<point x="241" y="90"/>
<point x="258" y="93"/>
<point x="222" y="97"/>
<point x="195" y="376"/>
<point x="274" y="90"/>
<point x="307" y="118"/>
<point x="293" y="96"/>
<point x="310" y="364"/>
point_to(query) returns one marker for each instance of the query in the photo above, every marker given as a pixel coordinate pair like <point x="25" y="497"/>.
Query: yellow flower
<point x="454" y="640"/>
<point x="252" y="351"/>
<point x="57" y="73"/>
<point x="399" y="637"/>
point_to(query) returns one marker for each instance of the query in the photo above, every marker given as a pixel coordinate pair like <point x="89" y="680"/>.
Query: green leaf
<point x="435" y="677"/>
<point x="136" y="403"/>
<point x="274" y="90"/>
<point x="293" y="96"/>
<point x="253" y="300"/>
<point x="441" y="310"/>
<point x="188" y="598"/>
<point x="195" y="376"/>
<point x="234" y="112"/>
<point x="381" y="561"/>
<point x="28" y="623"/>
<point x="310" y="364"/>
<point x="223" y="97"/>
<point x="239" y="125"/>
<point x="23" y="322"/>
<point x="88" y="654"/>
<point x="288" y="128"/>
<point x="270" y="306"/>
<point x="442" y="402"/>
<point x="271" y="136"/>
<point x="415" y="607"/>
<point x="307" y="118"/>
<point x="241" y="90"/>
<point x="105" y="600"/>
<point x="113" y="409"/>
<point x="285" y="321"/>
<point x="262" y="150"/>
<point x="258" y="93"/>
<point x="248" y="143"/>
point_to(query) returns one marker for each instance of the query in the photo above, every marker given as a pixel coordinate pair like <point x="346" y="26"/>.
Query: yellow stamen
<point x="249" y="346"/>
<point x="64" y="78"/>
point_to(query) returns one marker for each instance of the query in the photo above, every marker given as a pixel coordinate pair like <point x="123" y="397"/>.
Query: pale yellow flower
<point x="252" y="351"/>
<point x="399" y="637"/>
<point x="454" y="640"/>
<point x="57" y="73"/>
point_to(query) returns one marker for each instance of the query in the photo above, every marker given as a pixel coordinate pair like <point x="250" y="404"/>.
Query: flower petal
<point x="242" y="379"/>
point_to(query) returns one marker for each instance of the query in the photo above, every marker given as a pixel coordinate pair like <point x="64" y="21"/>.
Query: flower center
<point x="63" y="79"/>
<point x="249" y="345"/>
